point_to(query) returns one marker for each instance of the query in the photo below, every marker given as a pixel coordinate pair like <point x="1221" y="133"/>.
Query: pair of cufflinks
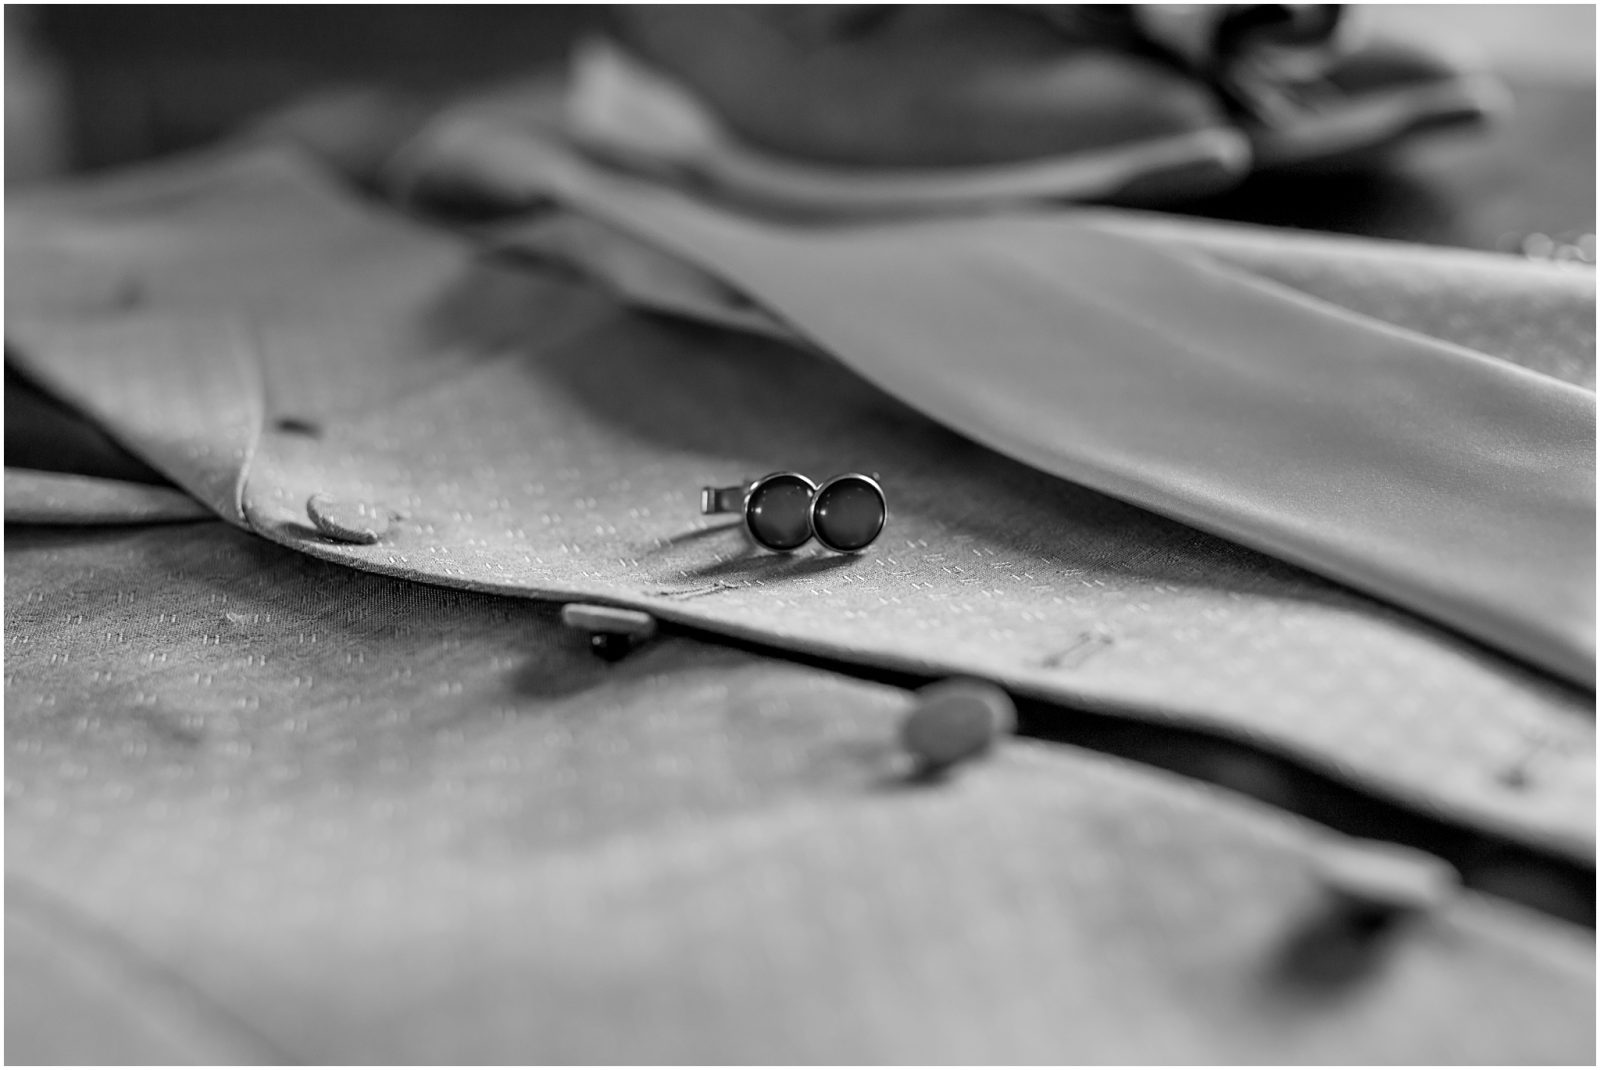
<point x="785" y="510"/>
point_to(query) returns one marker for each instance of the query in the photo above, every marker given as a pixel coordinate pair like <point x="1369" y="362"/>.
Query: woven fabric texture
<point x="62" y="498"/>
<point x="263" y="808"/>
<point x="1426" y="474"/>
<point x="534" y="438"/>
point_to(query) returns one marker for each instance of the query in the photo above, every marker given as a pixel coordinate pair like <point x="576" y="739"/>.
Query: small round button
<point x="1387" y="875"/>
<point x="955" y="721"/>
<point x="776" y="511"/>
<point x="347" y="521"/>
<point x="848" y="512"/>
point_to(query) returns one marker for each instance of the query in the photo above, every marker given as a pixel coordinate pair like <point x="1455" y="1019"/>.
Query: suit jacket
<point x="390" y="812"/>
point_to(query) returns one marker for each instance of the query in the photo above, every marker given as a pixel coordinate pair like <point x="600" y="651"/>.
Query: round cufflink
<point x="776" y="508"/>
<point x="848" y="512"/>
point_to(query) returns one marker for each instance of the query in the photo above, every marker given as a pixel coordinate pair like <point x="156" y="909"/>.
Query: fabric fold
<point x="1427" y="474"/>
<point x="34" y="497"/>
<point x="182" y="392"/>
<point x="531" y="438"/>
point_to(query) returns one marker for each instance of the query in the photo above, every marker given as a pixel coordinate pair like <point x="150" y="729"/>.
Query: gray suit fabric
<point x="266" y="809"/>
<point x="381" y="807"/>
<point x="541" y="440"/>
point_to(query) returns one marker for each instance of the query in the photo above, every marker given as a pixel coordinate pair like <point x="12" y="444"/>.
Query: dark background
<point x="94" y="86"/>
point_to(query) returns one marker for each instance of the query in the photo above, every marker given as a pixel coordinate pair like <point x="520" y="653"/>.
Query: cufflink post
<point x="722" y="499"/>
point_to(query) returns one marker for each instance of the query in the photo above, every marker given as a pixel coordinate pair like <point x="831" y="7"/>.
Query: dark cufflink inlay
<point x="848" y="512"/>
<point x="776" y="511"/>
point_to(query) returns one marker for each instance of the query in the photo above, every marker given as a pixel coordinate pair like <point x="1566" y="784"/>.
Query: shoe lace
<point x="1266" y="59"/>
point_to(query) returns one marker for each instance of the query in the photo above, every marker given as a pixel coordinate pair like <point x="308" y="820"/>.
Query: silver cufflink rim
<point x="738" y="498"/>
<point x="816" y="497"/>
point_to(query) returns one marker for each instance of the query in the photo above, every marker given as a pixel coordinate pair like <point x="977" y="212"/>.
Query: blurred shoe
<point x="352" y="129"/>
<point x="1376" y="98"/>
<point x="896" y="108"/>
<point x="1308" y="87"/>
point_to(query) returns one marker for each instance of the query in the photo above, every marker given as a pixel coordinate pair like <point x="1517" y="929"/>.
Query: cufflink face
<point x="848" y="512"/>
<point x="777" y="510"/>
<point x="784" y="510"/>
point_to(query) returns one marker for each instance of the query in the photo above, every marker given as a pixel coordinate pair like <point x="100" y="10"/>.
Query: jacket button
<point x="613" y="632"/>
<point x="956" y="721"/>
<point x="357" y="522"/>
<point x="1387" y="876"/>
